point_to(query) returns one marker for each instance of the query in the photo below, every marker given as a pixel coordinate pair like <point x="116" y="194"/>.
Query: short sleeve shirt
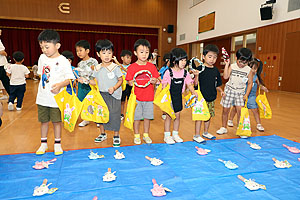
<point x="84" y="68"/>
<point x="209" y="80"/>
<point x="177" y="74"/>
<point x="147" y="93"/>
<point x="17" y="74"/>
<point x="52" y="71"/>
<point x="107" y="77"/>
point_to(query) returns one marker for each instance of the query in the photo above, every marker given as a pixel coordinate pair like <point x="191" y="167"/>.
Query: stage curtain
<point x="22" y="36"/>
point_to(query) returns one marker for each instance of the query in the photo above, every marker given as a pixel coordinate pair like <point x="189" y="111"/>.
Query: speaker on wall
<point x="170" y="28"/>
<point x="266" y="13"/>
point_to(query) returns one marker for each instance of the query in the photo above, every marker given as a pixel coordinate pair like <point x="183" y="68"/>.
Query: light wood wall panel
<point x="137" y="13"/>
<point x="272" y="40"/>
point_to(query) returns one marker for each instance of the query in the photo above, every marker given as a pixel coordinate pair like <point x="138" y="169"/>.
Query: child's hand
<point x="245" y="97"/>
<point x="195" y="72"/>
<point x="195" y="93"/>
<point x="227" y="61"/>
<point x="223" y="94"/>
<point x="153" y="80"/>
<point x="264" y="89"/>
<point x="111" y="90"/>
<point x="115" y="59"/>
<point x="93" y="67"/>
<point x="55" y="88"/>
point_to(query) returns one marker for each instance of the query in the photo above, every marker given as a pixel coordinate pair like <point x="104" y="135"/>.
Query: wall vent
<point x="293" y="5"/>
<point x="195" y="2"/>
<point x="182" y="37"/>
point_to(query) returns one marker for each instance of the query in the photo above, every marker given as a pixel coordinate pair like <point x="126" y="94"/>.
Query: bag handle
<point x="259" y="91"/>
<point x="72" y="90"/>
<point x="246" y="102"/>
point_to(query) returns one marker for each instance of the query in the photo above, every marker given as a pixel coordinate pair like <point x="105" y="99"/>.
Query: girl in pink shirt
<point x="177" y="77"/>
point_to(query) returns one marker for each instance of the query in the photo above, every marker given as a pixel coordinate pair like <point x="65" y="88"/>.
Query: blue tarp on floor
<point x="187" y="174"/>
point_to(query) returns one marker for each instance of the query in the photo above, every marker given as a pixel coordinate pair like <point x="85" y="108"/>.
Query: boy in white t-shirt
<point x="240" y="75"/>
<point x="18" y="74"/>
<point x="56" y="72"/>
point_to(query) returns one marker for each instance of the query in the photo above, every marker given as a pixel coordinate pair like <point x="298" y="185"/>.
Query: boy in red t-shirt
<point x="144" y="95"/>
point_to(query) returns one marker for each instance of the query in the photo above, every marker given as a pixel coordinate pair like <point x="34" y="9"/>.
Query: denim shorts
<point x="251" y="102"/>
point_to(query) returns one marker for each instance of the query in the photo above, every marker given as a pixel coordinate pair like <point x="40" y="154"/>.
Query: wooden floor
<point x="20" y="132"/>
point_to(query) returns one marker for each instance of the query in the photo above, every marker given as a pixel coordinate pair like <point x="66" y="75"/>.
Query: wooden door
<point x="270" y="74"/>
<point x="291" y="64"/>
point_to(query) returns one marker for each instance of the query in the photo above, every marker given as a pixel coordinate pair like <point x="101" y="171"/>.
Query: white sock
<point x="167" y="134"/>
<point x="175" y="133"/>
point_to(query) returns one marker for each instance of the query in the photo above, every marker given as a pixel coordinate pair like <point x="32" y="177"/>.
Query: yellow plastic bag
<point x="244" y="127"/>
<point x="265" y="111"/>
<point x="70" y="107"/>
<point x="94" y="107"/>
<point x="124" y="83"/>
<point x="200" y="110"/>
<point x="131" y="105"/>
<point x="158" y="90"/>
<point x="163" y="101"/>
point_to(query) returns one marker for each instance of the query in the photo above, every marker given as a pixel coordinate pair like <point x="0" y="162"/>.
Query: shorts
<point x="252" y="102"/>
<point x="114" y="107"/>
<point x="126" y="93"/>
<point x="211" y="108"/>
<point x="46" y="114"/>
<point x="143" y="110"/>
<point x="232" y="98"/>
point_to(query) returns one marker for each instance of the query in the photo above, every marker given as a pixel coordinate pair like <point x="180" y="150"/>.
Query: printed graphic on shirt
<point x="45" y="75"/>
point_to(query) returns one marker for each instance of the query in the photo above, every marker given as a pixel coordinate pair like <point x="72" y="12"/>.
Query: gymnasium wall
<point x="134" y="13"/>
<point x="231" y="16"/>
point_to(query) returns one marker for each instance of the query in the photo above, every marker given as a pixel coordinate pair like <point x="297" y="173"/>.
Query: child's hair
<point x="176" y="55"/>
<point x="244" y="54"/>
<point x="84" y="44"/>
<point x="103" y="45"/>
<point x="18" y="56"/>
<point x="142" y="42"/>
<point x="256" y="63"/>
<point x="212" y="48"/>
<point x="49" y="35"/>
<point x="125" y="53"/>
<point x="68" y="55"/>
<point x="166" y="58"/>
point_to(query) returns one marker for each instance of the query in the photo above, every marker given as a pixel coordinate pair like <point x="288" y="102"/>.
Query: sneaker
<point x="18" y="109"/>
<point x="243" y="136"/>
<point x="177" y="139"/>
<point x="4" y="97"/>
<point x="35" y="79"/>
<point x="43" y="148"/>
<point x="58" y="150"/>
<point x="16" y="101"/>
<point x="83" y="123"/>
<point x="98" y="125"/>
<point x="260" y="127"/>
<point x="101" y="138"/>
<point x="163" y="116"/>
<point x="122" y="117"/>
<point x="222" y="131"/>
<point x="199" y="139"/>
<point x="230" y="123"/>
<point x="137" y="139"/>
<point x="146" y="138"/>
<point x="208" y="136"/>
<point x="169" y="140"/>
<point x="116" y="141"/>
<point x="10" y="106"/>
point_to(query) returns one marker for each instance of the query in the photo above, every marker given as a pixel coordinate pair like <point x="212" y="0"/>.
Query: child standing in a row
<point x="85" y="70"/>
<point x="177" y="77"/>
<point x="56" y="73"/>
<point x="109" y="79"/>
<point x="256" y="66"/>
<point x="144" y="95"/>
<point x="239" y="75"/>
<point x="209" y="81"/>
